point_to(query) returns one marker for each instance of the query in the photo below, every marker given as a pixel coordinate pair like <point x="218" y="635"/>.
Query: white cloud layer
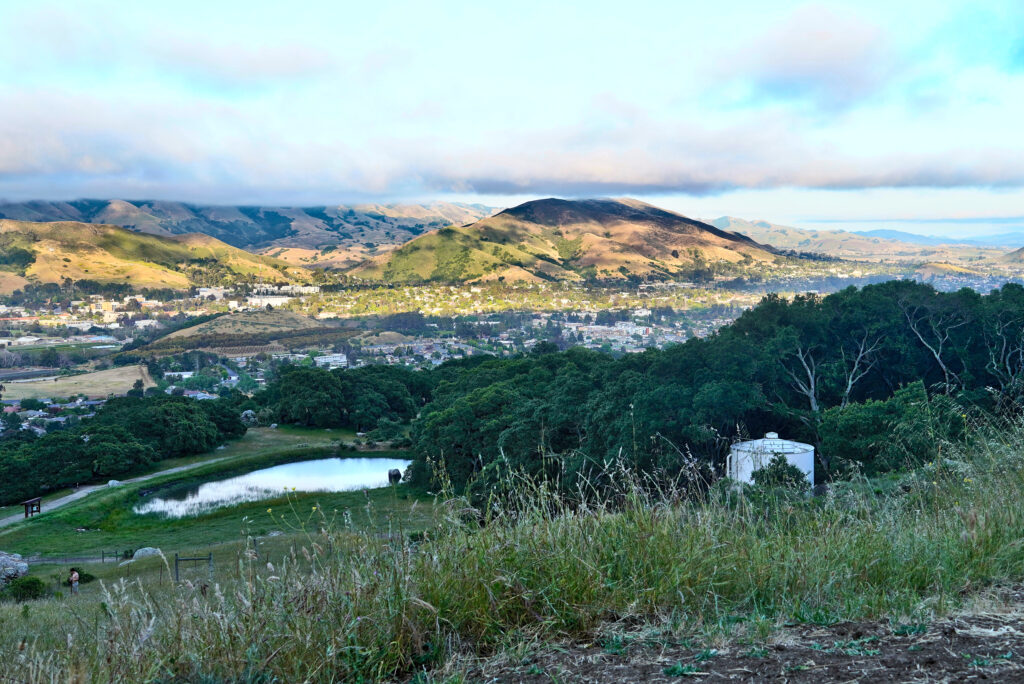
<point x="327" y="102"/>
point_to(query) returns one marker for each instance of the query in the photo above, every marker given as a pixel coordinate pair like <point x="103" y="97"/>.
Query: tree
<point x="136" y="390"/>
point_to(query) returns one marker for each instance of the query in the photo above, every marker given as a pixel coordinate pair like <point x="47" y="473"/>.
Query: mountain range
<point x="348" y="230"/>
<point x="555" y="239"/>
<point x="53" y="252"/>
<point x="879" y="245"/>
<point x="1000" y="240"/>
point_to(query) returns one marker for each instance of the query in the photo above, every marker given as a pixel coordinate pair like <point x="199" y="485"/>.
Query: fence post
<point x="175" y="567"/>
<point x="103" y="557"/>
<point x="210" y="558"/>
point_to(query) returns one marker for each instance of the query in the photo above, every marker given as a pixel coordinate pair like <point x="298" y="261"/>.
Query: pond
<point x="321" y="475"/>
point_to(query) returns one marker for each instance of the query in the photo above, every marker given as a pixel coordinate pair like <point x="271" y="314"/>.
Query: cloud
<point x="64" y="146"/>
<point x="101" y="42"/>
<point x="831" y="58"/>
<point x="235" y="64"/>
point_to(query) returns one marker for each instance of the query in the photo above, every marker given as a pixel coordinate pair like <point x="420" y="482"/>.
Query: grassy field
<point x="96" y="385"/>
<point x="543" y="568"/>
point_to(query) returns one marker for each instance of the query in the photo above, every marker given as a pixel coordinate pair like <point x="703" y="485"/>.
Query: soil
<point x="985" y="643"/>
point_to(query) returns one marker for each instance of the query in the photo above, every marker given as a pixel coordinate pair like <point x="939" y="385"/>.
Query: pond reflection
<point x="322" y="475"/>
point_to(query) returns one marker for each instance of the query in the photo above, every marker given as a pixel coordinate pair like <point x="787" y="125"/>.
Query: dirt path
<point x="986" y="644"/>
<point x="84" y="491"/>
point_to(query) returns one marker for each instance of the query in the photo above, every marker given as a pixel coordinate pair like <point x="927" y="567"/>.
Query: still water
<point x="323" y="475"/>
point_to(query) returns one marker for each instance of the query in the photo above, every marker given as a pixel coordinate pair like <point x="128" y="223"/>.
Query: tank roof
<point x="772" y="444"/>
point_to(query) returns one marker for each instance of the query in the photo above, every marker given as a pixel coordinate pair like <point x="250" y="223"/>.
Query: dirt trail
<point x="985" y="644"/>
<point x="84" y="491"/>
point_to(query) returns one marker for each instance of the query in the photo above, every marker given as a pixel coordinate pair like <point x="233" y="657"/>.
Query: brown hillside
<point x="554" y="239"/>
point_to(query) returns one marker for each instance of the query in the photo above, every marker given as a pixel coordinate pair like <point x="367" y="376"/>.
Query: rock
<point x="113" y="483"/>
<point x="145" y="552"/>
<point x="11" y="567"/>
<point x="273" y="426"/>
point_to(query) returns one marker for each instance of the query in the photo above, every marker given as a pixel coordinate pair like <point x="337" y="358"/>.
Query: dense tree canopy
<point x="359" y="398"/>
<point x="842" y="372"/>
<point x="126" y="435"/>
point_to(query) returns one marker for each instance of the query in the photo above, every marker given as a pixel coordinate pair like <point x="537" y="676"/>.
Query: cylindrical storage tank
<point x="746" y="457"/>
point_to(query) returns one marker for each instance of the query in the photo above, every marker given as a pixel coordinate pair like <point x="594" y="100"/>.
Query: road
<point x="83" y="492"/>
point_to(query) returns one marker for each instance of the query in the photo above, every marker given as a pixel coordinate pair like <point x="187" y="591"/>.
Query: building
<point x="331" y="361"/>
<point x="747" y="457"/>
<point x="267" y="300"/>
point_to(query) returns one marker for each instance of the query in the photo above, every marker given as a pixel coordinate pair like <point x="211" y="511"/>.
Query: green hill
<point x="52" y="252"/>
<point x="555" y="239"/>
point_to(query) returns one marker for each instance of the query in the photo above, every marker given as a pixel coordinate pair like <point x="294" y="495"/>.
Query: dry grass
<point x="250" y="322"/>
<point x="97" y="385"/>
<point x="536" y="566"/>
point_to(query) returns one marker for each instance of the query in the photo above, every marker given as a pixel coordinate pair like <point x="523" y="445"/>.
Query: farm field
<point x="95" y="385"/>
<point x="249" y="322"/>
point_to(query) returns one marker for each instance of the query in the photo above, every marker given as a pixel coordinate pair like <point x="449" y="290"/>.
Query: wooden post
<point x="176" y="577"/>
<point x="211" y="565"/>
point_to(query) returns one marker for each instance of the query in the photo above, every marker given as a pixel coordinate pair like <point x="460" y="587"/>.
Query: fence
<point x="178" y="560"/>
<point x="103" y="557"/>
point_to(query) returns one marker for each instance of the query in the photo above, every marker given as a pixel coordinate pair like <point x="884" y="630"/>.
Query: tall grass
<point x="365" y="606"/>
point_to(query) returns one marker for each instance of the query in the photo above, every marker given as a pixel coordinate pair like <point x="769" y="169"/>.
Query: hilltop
<point x="52" y="252"/>
<point x="355" y="227"/>
<point x="554" y="239"/>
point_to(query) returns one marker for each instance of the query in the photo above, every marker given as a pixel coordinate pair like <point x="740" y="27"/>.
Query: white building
<point x="331" y="361"/>
<point x="747" y="457"/>
<point x="265" y="300"/>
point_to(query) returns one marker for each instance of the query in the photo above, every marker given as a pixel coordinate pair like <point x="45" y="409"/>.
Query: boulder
<point x="11" y="567"/>
<point x="145" y="552"/>
<point x="113" y="483"/>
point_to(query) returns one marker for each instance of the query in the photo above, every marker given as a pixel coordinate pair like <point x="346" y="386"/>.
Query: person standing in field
<point x="73" y="581"/>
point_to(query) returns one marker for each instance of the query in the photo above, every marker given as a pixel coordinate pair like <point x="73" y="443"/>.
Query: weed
<point x="681" y="670"/>
<point x="910" y="629"/>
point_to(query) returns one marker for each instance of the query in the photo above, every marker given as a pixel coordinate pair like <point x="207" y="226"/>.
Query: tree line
<point x="125" y="436"/>
<point x="860" y="374"/>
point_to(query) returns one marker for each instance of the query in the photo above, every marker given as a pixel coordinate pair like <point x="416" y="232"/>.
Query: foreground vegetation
<point x="350" y="605"/>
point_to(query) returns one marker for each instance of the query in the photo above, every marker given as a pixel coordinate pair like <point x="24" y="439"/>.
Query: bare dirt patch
<point x="984" y="644"/>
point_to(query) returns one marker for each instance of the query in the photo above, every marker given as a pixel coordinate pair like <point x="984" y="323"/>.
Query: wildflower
<point x="269" y="510"/>
<point x="314" y="508"/>
<point x="967" y="479"/>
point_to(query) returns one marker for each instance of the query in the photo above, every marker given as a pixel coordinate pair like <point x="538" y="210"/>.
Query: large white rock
<point x="11" y="567"/>
<point x="145" y="552"/>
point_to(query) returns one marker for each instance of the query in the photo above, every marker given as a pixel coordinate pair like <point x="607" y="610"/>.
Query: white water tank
<point x="746" y="457"/>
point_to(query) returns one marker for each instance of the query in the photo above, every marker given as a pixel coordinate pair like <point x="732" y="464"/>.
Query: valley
<point x="554" y="372"/>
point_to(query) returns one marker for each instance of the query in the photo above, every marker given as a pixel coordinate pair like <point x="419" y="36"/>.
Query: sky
<point x="861" y="115"/>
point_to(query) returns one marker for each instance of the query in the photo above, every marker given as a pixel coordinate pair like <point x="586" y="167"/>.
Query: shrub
<point x="780" y="473"/>
<point x="25" y="589"/>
